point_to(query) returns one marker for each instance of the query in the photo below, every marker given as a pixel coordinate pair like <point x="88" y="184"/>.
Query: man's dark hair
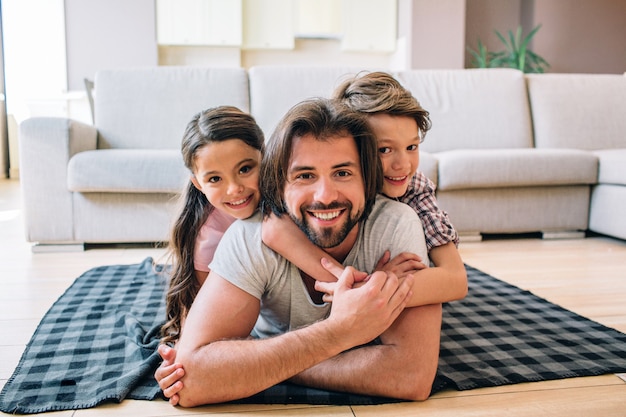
<point x="323" y="119"/>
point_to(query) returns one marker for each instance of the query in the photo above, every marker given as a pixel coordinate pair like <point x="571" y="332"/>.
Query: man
<point x="322" y="169"/>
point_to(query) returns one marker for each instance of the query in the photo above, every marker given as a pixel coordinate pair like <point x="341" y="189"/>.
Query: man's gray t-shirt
<point x="243" y="260"/>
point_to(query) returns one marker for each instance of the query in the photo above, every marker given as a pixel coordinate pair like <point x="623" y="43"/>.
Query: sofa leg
<point x="57" y="247"/>
<point x="563" y="234"/>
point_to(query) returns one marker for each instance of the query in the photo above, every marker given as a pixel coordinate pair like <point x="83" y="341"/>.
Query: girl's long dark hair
<point x="213" y="125"/>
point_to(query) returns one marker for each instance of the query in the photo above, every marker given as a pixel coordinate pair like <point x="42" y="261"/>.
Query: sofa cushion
<point x="149" y="108"/>
<point x="472" y="108"/>
<point x="275" y="89"/>
<point x="429" y="166"/>
<point x="612" y="166"/>
<point x="127" y="171"/>
<point x="582" y="111"/>
<point x="500" y="168"/>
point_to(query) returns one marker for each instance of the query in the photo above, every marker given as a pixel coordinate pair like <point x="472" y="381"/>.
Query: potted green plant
<point x="515" y="55"/>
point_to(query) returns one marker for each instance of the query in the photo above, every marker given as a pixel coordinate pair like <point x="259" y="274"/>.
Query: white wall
<point x="108" y="34"/>
<point x="437" y="34"/>
<point x="34" y="52"/>
<point x="34" y="60"/>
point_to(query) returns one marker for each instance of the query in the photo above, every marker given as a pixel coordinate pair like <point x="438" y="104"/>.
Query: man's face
<point x="325" y="194"/>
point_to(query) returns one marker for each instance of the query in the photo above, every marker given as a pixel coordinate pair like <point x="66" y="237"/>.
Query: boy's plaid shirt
<point x="420" y="196"/>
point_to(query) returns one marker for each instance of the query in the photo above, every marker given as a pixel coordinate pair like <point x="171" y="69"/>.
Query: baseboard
<point x="57" y="247"/>
<point x="564" y="234"/>
<point x="470" y="237"/>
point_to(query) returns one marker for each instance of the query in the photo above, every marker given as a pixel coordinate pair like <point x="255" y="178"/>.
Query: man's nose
<point x="326" y="190"/>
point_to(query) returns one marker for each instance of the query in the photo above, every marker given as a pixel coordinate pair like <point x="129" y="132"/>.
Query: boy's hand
<point x="402" y="265"/>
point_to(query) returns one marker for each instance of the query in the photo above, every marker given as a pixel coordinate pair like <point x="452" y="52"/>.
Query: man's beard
<point x="327" y="237"/>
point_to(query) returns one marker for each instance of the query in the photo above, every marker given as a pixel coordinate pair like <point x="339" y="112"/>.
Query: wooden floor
<point x="587" y="276"/>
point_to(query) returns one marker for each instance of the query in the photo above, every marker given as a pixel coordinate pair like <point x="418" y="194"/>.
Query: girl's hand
<point x="402" y="265"/>
<point x="169" y="373"/>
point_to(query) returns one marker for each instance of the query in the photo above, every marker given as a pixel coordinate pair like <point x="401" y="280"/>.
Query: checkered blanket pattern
<point x="500" y="334"/>
<point x="98" y="343"/>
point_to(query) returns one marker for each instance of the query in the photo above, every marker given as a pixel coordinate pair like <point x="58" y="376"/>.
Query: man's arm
<point x="222" y="364"/>
<point x="403" y="366"/>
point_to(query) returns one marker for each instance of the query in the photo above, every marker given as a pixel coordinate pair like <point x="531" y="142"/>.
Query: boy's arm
<point x="282" y="235"/>
<point x="445" y="281"/>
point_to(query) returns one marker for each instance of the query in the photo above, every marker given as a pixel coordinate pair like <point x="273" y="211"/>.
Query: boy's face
<point x="398" y="148"/>
<point x="325" y="193"/>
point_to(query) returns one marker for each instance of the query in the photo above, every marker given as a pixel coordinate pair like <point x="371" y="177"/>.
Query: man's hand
<point x="366" y="311"/>
<point x="168" y="375"/>
<point x="328" y="288"/>
<point x="402" y="265"/>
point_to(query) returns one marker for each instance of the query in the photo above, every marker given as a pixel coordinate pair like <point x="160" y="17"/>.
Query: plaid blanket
<point x="98" y="343"/>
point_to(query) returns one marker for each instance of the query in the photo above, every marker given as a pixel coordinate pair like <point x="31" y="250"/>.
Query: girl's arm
<point x="201" y="276"/>
<point x="282" y="235"/>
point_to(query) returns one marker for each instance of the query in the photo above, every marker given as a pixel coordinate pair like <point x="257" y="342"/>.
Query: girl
<point x="222" y="148"/>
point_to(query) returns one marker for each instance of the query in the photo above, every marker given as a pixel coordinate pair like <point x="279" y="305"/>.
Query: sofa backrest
<point x="275" y="89"/>
<point x="582" y="111"/>
<point x="472" y="108"/>
<point x="150" y="108"/>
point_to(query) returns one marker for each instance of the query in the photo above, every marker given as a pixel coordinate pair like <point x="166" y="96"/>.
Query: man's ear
<point x="195" y="182"/>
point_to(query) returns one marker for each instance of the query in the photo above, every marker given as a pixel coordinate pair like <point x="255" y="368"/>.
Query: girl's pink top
<point x="210" y="235"/>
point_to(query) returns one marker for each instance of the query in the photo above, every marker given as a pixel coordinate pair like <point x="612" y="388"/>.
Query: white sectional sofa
<point x="117" y="181"/>
<point x="510" y="153"/>
<point x="587" y="112"/>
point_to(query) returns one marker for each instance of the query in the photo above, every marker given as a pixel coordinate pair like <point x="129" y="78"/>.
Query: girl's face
<point x="398" y="147"/>
<point x="227" y="173"/>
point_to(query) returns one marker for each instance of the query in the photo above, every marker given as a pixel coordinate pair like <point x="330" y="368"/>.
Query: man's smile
<point x="326" y="215"/>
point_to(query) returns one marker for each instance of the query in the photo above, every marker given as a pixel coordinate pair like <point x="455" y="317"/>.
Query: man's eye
<point x="343" y="173"/>
<point x="214" y="179"/>
<point x="304" y="176"/>
<point x="384" y="150"/>
<point x="411" y="148"/>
